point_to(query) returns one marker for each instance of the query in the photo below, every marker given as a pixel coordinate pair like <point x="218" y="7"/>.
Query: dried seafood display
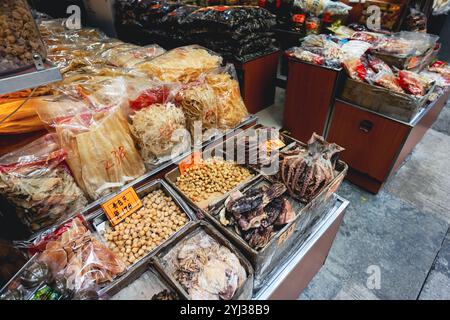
<point x="36" y="180"/>
<point x="184" y="64"/>
<point x="199" y="104"/>
<point x="307" y="171"/>
<point x="231" y="107"/>
<point x="206" y="269"/>
<point x="101" y="151"/>
<point x="257" y="214"/>
<point x="73" y="253"/>
<point x="128" y="55"/>
<point x="146" y="229"/>
<point x="154" y="129"/>
<point x="211" y="178"/>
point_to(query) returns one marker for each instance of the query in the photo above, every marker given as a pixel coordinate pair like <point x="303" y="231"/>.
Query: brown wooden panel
<point x="304" y="272"/>
<point x="420" y="129"/>
<point x="309" y="95"/>
<point x="372" y="142"/>
<point x="259" y="83"/>
<point x="364" y="181"/>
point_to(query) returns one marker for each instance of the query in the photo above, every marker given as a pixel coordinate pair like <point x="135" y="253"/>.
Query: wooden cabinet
<point x="258" y="79"/>
<point x="376" y="145"/>
<point x="309" y="96"/>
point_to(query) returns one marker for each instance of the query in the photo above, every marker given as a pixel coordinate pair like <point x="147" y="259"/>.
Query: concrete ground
<point x="394" y="245"/>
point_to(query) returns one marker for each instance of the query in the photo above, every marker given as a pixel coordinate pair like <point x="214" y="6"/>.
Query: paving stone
<point x="424" y="181"/>
<point x="437" y="285"/>
<point x="385" y="232"/>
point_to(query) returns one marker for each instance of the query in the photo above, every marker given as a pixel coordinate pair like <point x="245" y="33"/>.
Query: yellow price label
<point x="121" y="206"/>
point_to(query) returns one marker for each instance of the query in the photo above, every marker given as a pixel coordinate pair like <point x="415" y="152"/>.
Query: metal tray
<point x="97" y="220"/>
<point x="153" y="282"/>
<point x="265" y="260"/>
<point x="172" y="176"/>
<point x="243" y="293"/>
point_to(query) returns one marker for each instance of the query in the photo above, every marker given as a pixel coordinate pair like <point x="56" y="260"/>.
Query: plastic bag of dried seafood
<point x="100" y="150"/>
<point x="183" y="64"/>
<point x="231" y="107"/>
<point x="37" y="181"/>
<point x="128" y="55"/>
<point x="158" y="126"/>
<point x="79" y="261"/>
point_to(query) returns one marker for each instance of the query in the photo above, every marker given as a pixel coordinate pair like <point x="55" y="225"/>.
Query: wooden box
<point x="376" y="145"/>
<point x="310" y="93"/>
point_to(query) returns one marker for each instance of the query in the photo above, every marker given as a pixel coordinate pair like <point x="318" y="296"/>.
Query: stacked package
<point x="233" y="31"/>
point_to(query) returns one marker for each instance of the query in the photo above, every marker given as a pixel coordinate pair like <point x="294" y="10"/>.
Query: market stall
<point x="88" y="215"/>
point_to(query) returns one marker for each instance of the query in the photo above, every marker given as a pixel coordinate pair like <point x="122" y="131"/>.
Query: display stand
<point x="310" y="94"/>
<point x="299" y="268"/>
<point x="376" y="145"/>
<point x="258" y="79"/>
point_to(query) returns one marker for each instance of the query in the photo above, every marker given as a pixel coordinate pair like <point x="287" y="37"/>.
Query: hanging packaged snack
<point x="184" y="64"/>
<point x="231" y="107"/>
<point x="100" y="149"/>
<point x="19" y="37"/>
<point x="36" y="180"/>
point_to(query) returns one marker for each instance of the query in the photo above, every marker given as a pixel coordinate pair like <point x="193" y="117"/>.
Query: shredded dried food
<point x="153" y="128"/>
<point x="36" y="180"/>
<point x="208" y="270"/>
<point x="231" y="107"/>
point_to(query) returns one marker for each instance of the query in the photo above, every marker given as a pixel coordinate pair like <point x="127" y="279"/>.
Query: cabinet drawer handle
<point x="366" y="126"/>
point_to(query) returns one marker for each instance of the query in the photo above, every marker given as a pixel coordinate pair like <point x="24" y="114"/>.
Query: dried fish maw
<point x="108" y="157"/>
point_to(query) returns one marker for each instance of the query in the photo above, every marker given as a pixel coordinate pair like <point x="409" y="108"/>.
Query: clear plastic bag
<point x="413" y="83"/>
<point x="100" y="149"/>
<point x="128" y="56"/>
<point x="231" y="107"/>
<point x="406" y="44"/>
<point x="36" y="180"/>
<point x="183" y="64"/>
<point x="20" y="39"/>
<point x="74" y="254"/>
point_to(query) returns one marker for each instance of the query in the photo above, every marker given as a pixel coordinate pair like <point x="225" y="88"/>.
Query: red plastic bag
<point x="355" y="69"/>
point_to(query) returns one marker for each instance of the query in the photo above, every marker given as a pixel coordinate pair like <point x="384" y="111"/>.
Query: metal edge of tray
<point x="30" y="78"/>
<point x="291" y="262"/>
<point x="167" y="164"/>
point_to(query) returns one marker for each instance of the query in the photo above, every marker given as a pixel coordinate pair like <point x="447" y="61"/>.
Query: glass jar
<point x="20" y="39"/>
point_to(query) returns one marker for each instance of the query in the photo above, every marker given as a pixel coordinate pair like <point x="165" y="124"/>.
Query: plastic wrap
<point x="128" y="55"/>
<point x="413" y="83"/>
<point x="19" y="37"/>
<point x="184" y="64"/>
<point x="240" y="20"/>
<point x="305" y="55"/>
<point x="24" y="120"/>
<point x="36" y="180"/>
<point x="405" y="44"/>
<point x="75" y="255"/>
<point x="231" y="107"/>
<point x="355" y="69"/>
<point x="100" y="149"/>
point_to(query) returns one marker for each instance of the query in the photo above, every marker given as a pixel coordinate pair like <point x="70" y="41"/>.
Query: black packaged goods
<point x="239" y="19"/>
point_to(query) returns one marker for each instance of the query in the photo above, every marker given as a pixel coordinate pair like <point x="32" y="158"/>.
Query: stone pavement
<point x="402" y="233"/>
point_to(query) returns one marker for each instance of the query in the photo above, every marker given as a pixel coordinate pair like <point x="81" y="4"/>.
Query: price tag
<point x="189" y="161"/>
<point x="286" y="235"/>
<point x="121" y="206"/>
